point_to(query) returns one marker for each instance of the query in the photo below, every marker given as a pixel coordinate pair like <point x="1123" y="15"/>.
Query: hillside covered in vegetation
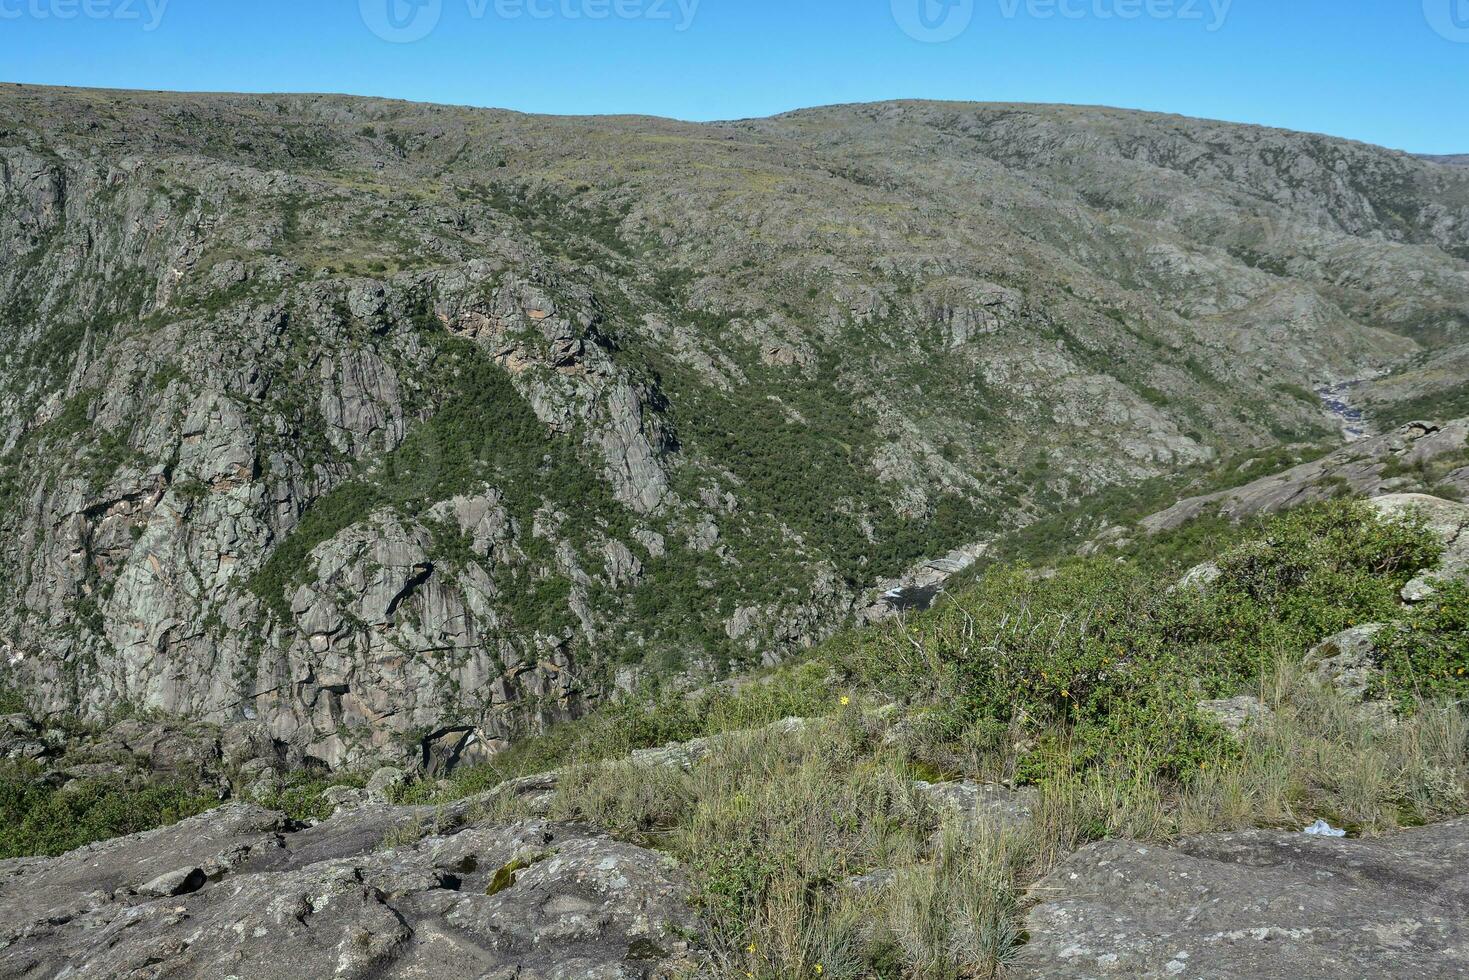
<point x="406" y="430"/>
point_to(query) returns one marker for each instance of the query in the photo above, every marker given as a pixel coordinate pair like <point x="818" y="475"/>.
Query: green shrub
<point x="300" y="798"/>
<point x="1425" y="657"/>
<point x="1304" y="576"/>
<point x="647" y="722"/>
<point x="12" y="700"/>
<point x="38" y="819"/>
<point x="1103" y="660"/>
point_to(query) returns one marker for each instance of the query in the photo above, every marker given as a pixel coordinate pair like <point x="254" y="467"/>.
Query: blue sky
<point x="1394" y="72"/>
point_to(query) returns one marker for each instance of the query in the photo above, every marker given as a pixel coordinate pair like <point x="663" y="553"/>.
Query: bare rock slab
<point x="1260" y="905"/>
<point x="354" y="897"/>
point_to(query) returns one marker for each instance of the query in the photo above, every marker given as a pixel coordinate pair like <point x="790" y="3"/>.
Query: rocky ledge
<point x="1383" y="465"/>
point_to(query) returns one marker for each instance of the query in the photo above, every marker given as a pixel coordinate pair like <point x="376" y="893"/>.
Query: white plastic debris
<point x="1323" y="829"/>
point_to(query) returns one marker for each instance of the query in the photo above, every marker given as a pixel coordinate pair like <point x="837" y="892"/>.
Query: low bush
<point x="300" y="796"/>
<point x="1425" y="656"/>
<point x="660" y="718"/>
<point x="1101" y="660"/>
<point x="39" y="819"/>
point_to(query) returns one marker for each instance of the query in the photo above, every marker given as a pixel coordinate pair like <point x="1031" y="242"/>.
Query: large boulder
<point x="376" y="892"/>
<point x="1257" y="905"/>
<point x="977" y="807"/>
<point x="1348" y="661"/>
<point x="1236" y="715"/>
<point x="1448" y="521"/>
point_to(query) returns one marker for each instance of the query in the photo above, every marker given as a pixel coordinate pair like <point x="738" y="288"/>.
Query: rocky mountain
<point x="406" y="429"/>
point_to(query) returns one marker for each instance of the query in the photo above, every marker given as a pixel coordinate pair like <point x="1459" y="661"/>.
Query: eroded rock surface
<point x="377" y="891"/>
<point x="1259" y="905"/>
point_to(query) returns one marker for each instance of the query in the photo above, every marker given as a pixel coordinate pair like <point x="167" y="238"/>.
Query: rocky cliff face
<point x="405" y="429"/>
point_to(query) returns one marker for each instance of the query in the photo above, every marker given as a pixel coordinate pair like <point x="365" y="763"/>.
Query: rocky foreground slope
<point x="405" y="430"/>
<point x="241" y="892"/>
<point x="809" y="846"/>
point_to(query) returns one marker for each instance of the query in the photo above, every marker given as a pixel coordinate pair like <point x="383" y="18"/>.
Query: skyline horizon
<point x="1393" y="76"/>
<point x="733" y="119"/>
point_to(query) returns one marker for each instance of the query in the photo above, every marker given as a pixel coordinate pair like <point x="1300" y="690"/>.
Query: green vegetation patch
<point x="1425" y="656"/>
<point x="300" y="798"/>
<point x="1082" y="681"/>
<point x="1448" y="403"/>
<point x="1101" y="659"/>
<point x="665" y="717"/>
<point x="38" y="819"/>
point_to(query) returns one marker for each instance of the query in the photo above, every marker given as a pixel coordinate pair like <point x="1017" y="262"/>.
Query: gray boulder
<point x="1236" y="714"/>
<point x="170" y="883"/>
<point x="1348" y="661"/>
<point x="346" y="796"/>
<point x="977" y="805"/>
<point x="385" y="781"/>
<point x="1199" y="578"/>
<point x="1257" y="905"/>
